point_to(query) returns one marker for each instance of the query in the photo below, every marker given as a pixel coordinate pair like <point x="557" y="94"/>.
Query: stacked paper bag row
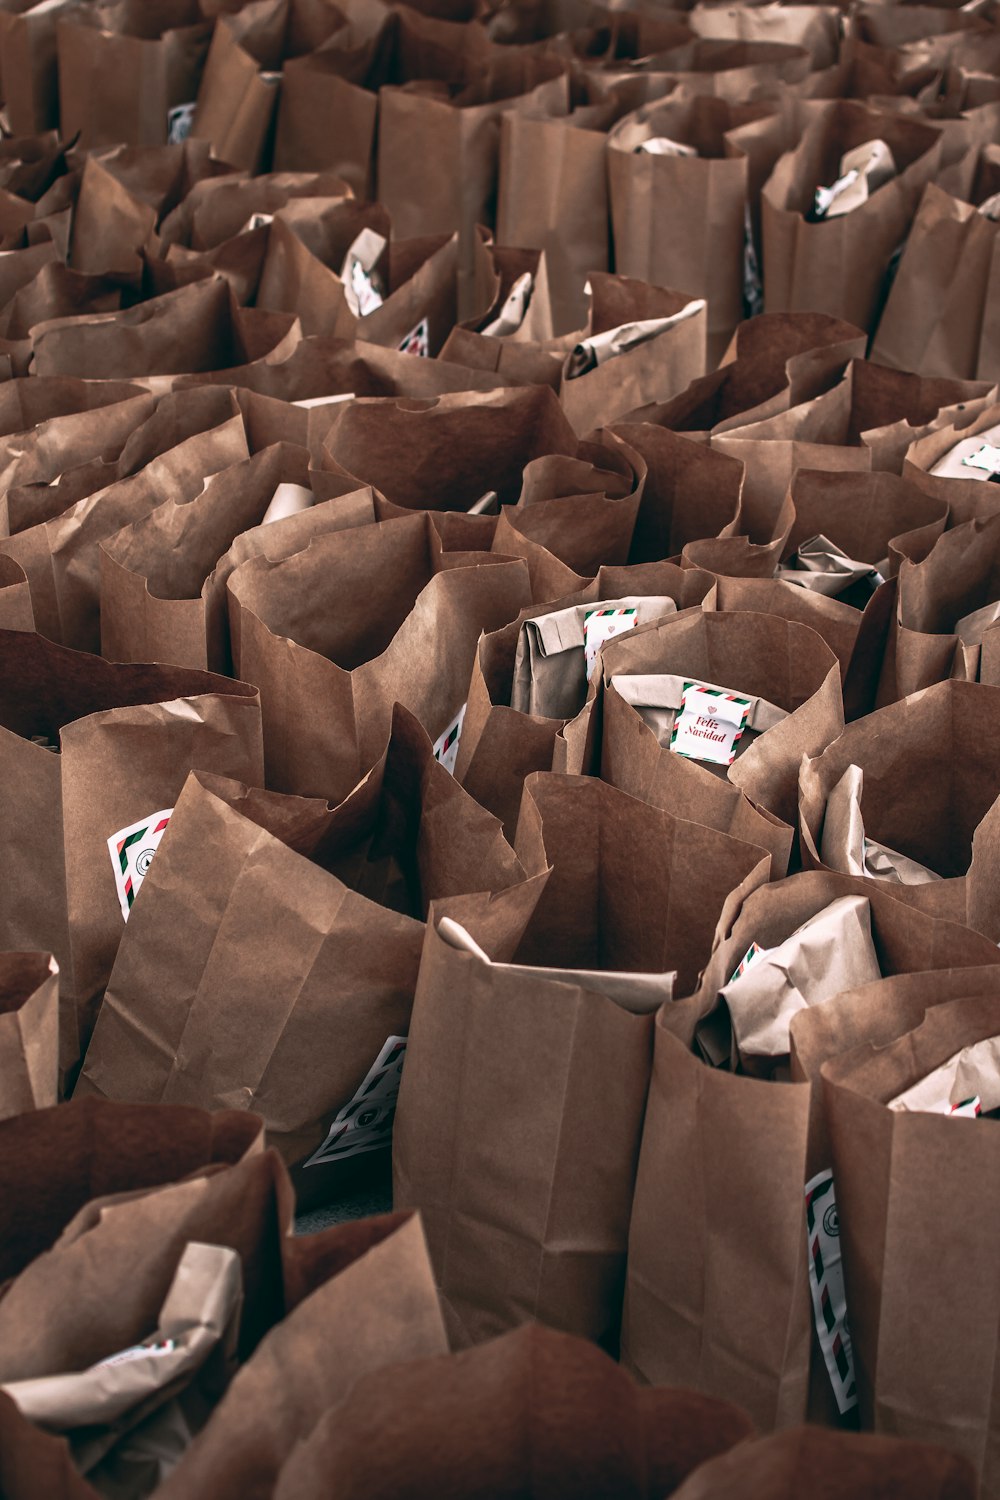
<point x="499" y="674"/>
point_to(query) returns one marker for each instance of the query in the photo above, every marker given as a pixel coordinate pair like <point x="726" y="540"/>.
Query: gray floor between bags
<point x="351" y="1206"/>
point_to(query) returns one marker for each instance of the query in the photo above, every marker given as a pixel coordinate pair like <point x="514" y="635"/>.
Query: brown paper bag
<point x="163" y="579"/>
<point x="642" y="344"/>
<point x="551" y="1246"/>
<point x="122" y="70"/>
<point x="501" y="745"/>
<point x="29" y="1032"/>
<point x="15" y="597"/>
<point x="499" y="1410"/>
<point x="217" y="209"/>
<point x="925" y="327"/>
<point x="270" y="855"/>
<point x="874" y="804"/>
<point x="438" y="151"/>
<point x="840" y="265"/>
<point x="237" y="98"/>
<point x="720" y="1208"/>
<point x="809" y="1459"/>
<point x="112" y="745"/>
<point x="28" y="64"/>
<point x="838" y="624"/>
<point x="405" y="628"/>
<point x="875" y="518"/>
<point x="55" y="1160"/>
<point x="787" y="675"/>
<point x="698" y="241"/>
<point x="126" y="1417"/>
<point x="897" y="1269"/>
<point x="945" y="614"/>
<point x="61" y="555"/>
<point x="690" y="491"/>
<point x="935" y="460"/>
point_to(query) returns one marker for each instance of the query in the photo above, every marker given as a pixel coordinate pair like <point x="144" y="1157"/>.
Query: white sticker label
<point x="709" y="724"/>
<point x="599" y="625"/>
<point x="366" y="1123"/>
<point x="826" y="1281"/>
<point x="446" y="745"/>
<point x="132" y="851"/>
<point x="179" y="122"/>
<point x="969" y="1109"/>
<point x="417" y="341"/>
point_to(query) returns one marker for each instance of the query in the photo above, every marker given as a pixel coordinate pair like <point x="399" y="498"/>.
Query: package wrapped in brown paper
<point x="312" y="926"/>
<point x="96" y="756"/>
<point x="512" y="995"/>
<point x="503" y="741"/>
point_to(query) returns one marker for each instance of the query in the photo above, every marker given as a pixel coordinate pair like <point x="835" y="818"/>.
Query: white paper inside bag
<point x="846" y="848"/>
<point x="201" y="1305"/>
<point x="820" y="565"/>
<point x="831" y="952"/>
<point x="973" y="458"/>
<point x="641" y="994"/>
<point x="511" y="315"/>
<point x="975" y="1071"/>
<point x="862" y="171"/>
<point x="990" y="207"/>
<point x="287" y="500"/>
<point x="662" y="145"/>
<point x="362" y="285"/>
<point x="699" y="720"/>
<point x="600" y="347"/>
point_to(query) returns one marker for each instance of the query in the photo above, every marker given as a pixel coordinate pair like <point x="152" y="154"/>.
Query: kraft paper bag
<point x="678" y="217"/>
<point x="945" y="613"/>
<point x="128" y="1417"/>
<point x="28" y="65"/>
<point x="124" y="69"/>
<point x="720" y="1206"/>
<point x="875" y="803"/>
<point x="439" y="146"/>
<point x="61" y="555"/>
<point x="945" y="301"/>
<point x="96" y="756"/>
<point x="16" y="612"/>
<point x="374" y="1309"/>
<point x="404" y="629"/>
<point x="831" y="1463"/>
<point x="483" y="1421"/>
<point x="111" y="226"/>
<point x="837" y="623"/>
<point x="775" y="361"/>
<point x="363" y="878"/>
<point x="874" y="519"/>
<point x="690" y="491"/>
<point x="29" y="1032"/>
<point x="632" y="759"/>
<point x="220" y="208"/>
<point x="773" y="684"/>
<point x="577" y="1000"/>
<point x="501" y="744"/>
<point x="163" y="579"/>
<point x="52" y="423"/>
<point x="953" y="459"/>
<point x="55" y="1160"/>
<point x="838" y="265"/>
<point x="816" y="27"/>
<point x="237" y="96"/>
<point x="445" y="453"/>
<point x="305" y="268"/>
<point x="583" y="510"/>
<point x="905" y="1289"/>
<point x="642" y="344"/>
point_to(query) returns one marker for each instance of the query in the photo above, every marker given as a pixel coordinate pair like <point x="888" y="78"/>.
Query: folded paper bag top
<point x="831" y="952"/>
<point x="557" y="652"/>
<point x="534" y="1412"/>
<point x="640" y="994"/>
<point x="821" y="565"/>
<point x="829" y="1465"/>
